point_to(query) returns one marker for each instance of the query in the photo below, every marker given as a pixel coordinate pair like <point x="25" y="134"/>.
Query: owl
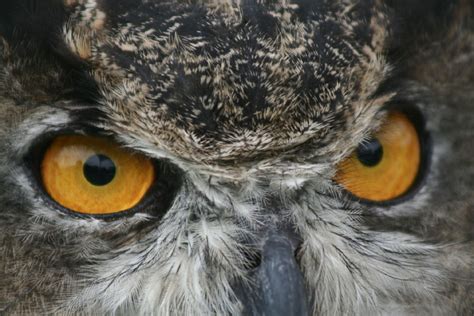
<point x="236" y="157"/>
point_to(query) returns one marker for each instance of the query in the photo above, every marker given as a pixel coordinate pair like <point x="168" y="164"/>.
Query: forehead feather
<point x="226" y="80"/>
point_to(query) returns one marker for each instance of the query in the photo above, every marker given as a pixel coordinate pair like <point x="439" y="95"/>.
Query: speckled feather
<point x="255" y="102"/>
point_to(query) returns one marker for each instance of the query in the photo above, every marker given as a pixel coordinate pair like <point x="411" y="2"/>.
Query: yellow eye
<point x="92" y="175"/>
<point x="385" y="167"/>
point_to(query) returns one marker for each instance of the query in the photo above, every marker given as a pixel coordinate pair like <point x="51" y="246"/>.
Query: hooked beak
<point x="277" y="284"/>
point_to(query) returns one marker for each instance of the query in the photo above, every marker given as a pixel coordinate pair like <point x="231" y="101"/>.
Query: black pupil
<point x="99" y="170"/>
<point x="370" y="153"/>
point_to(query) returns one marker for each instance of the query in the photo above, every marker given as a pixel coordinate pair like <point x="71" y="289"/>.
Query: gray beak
<point x="278" y="286"/>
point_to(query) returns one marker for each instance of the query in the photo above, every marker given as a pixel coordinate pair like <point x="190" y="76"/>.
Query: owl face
<point x="236" y="157"/>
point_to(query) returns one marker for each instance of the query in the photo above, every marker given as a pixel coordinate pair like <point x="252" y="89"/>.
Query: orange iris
<point x="385" y="167"/>
<point x="92" y="175"/>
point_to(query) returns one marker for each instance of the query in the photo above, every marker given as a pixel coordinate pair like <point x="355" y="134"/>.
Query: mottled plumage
<point x="252" y="105"/>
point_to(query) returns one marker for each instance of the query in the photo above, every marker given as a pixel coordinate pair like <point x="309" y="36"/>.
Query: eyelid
<point x="155" y="203"/>
<point x="418" y="121"/>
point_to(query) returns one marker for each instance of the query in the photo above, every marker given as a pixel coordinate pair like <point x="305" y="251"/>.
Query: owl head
<point x="290" y="157"/>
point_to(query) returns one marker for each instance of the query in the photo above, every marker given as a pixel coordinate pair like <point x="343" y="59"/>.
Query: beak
<point x="277" y="284"/>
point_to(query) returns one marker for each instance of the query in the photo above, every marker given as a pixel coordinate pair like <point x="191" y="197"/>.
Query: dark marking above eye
<point x="370" y="153"/>
<point x="99" y="170"/>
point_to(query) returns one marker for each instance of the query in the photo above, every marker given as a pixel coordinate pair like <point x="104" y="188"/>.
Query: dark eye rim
<point x="156" y="201"/>
<point x="414" y="114"/>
